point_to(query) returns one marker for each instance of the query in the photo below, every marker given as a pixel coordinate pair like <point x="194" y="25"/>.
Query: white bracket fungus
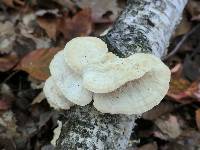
<point x="69" y="82"/>
<point x="85" y="70"/>
<point x="54" y="96"/>
<point x="81" y="51"/>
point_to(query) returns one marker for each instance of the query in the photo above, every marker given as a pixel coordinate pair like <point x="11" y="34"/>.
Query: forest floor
<point x="32" y="31"/>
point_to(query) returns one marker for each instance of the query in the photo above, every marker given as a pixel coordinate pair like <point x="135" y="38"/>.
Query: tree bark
<point x="144" y="26"/>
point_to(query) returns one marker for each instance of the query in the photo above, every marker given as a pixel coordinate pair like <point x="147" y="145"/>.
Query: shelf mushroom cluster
<point x="86" y="71"/>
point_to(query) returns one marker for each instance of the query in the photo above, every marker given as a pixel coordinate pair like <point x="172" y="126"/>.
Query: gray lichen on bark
<point x="90" y="130"/>
<point x="144" y="26"/>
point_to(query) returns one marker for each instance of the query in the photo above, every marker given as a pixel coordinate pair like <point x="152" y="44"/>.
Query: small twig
<point x="185" y="37"/>
<point x="10" y="76"/>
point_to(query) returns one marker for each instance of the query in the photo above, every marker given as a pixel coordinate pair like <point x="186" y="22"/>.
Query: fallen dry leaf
<point x="7" y="119"/>
<point x="4" y="104"/>
<point x="8" y="3"/>
<point x="182" y="90"/>
<point x="185" y="92"/>
<point x="197" y="117"/>
<point x="7" y="37"/>
<point x="194" y="9"/>
<point x="184" y="26"/>
<point x="41" y="42"/>
<point x="188" y="140"/>
<point x="36" y="63"/>
<point x="14" y="3"/>
<point x="6" y="28"/>
<point x="102" y="10"/>
<point x="49" y="25"/>
<point x="79" y="25"/>
<point x="149" y="146"/>
<point x="178" y="88"/>
<point x="6" y="97"/>
<point x="169" y="126"/>
<point x="8" y="61"/>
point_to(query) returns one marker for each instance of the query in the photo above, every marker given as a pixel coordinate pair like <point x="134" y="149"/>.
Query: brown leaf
<point x="49" y="25"/>
<point x="79" y="25"/>
<point x="182" y="91"/>
<point x="149" y="146"/>
<point x="178" y="88"/>
<point x="188" y="140"/>
<point x="169" y="126"/>
<point x="194" y="9"/>
<point x="6" y="97"/>
<point x="184" y="26"/>
<point x="193" y="90"/>
<point x="8" y="3"/>
<point x="102" y="10"/>
<point x="4" y="105"/>
<point x="36" y="63"/>
<point x="197" y="117"/>
<point x="14" y="3"/>
<point x="8" y="61"/>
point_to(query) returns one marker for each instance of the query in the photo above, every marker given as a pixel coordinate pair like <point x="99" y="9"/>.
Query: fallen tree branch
<point x="144" y="26"/>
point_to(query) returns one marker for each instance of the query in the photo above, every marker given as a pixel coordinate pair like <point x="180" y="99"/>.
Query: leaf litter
<point x="31" y="32"/>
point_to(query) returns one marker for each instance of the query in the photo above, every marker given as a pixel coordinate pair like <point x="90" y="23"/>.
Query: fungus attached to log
<point x="143" y="26"/>
<point x="81" y="51"/>
<point x="69" y="82"/>
<point x="85" y="69"/>
<point x="130" y="85"/>
<point x="54" y="96"/>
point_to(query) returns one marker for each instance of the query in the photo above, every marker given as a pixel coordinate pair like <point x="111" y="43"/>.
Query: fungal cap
<point x="82" y="51"/>
<point x="145" y="90"/>
<point x="69" y="83"/>
<point x="114" y="72"/>
<point x="54" y="97"/>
